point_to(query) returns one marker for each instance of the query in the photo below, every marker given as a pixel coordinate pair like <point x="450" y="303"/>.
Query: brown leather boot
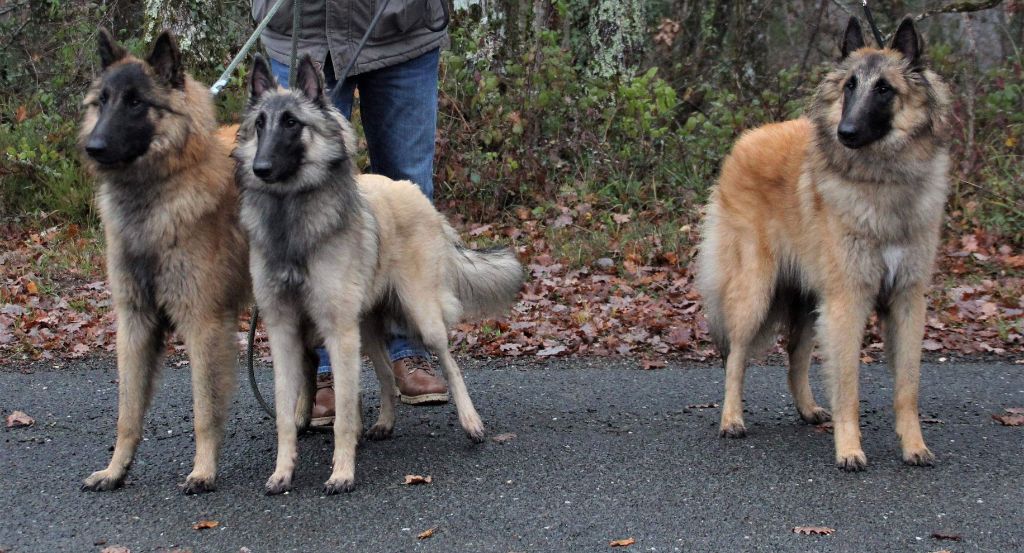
<point x="418" y="382"/>
<point x="323" y="403"/>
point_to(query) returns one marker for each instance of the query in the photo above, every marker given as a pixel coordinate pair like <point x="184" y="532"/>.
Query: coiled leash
<point x="219" y="85"/>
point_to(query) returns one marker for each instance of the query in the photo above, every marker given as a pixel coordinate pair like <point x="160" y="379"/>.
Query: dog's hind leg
<point x="428" y="319"/>
<point x="287" y="352"/>
<point x="139" y="341"/>
<point x="213" y="354"/>
<point x="307" y="392"/>
<point x="904" y="330"/>
<point x="376" y="349"/>
<point x="343" y="347"/>
<point x="799" y="347"/>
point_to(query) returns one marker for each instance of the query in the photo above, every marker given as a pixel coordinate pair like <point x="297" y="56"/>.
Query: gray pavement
<point x="603" y="451"/>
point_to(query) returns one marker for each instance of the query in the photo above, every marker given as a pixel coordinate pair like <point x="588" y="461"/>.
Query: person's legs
<point x="399" y="114"/>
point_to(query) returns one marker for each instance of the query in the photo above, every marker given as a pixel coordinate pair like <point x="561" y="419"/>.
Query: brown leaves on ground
<point x="115" y="549"/>
<point x="428" y="533"/>
<point x="814" y="530"/>
<point x="504" y="438"/>
<point x="946" y="536"/>
<point x="414" y="479"/>
<point x="205" y="525"/>
<point x="53" y="300"/>
<point x="634" y="296"/>
<point x="18" y="419"/>
<point x="1013" y="416"/>
<point x="626" y="542"/>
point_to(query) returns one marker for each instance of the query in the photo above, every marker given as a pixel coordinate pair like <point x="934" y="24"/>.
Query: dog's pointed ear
<point x="261" y="80"/>
<point x="907" y="42"/>
<point x="309" y="81"/>
<point x="166" y="60"/>
<point x="853" y="38"/>
<point x="110" y="51"/>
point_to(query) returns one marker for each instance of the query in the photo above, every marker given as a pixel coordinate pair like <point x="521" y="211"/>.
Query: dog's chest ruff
<point x="892" y="260"/>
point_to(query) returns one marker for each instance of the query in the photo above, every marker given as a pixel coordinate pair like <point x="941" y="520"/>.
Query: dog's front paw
<point x="816" y="416"/>
<point x="854" y="461"/>
<point x="102" y="481"/>
<point x="379" y="432"/>
<point x="340" y="485"/>
<point x="474" y="428"/>
<point x="919" y="458"/>
<point x="733" y="430"/>
<point x="197" y="483"/>
<point x="278" y="483"/>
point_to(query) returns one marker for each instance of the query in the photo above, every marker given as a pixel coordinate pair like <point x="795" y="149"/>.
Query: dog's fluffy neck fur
<point x="289" y="226"/>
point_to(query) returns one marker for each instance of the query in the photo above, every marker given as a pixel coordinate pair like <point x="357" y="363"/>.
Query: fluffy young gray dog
<point x="335" y="256"/>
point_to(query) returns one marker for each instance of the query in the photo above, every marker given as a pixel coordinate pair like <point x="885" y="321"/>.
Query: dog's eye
<point x="261" y="121"/>
<point x="883" y="88"/>
<point x="134" y="102"/>
<point x="103" y="98"/>
<point x="290" y="122"/>
<point x="851" y="84"/>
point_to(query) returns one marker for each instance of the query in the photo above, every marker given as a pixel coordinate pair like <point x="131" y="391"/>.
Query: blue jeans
<point x="398" y="107"/>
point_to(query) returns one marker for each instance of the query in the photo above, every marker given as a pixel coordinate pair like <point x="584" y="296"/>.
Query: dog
<point x="817" y="220"/>
<point x="337" y="256"/>
<point x="177" y="257"/>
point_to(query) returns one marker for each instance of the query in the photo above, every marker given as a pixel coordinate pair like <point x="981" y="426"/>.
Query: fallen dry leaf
<point x="428" y="533"/>
<point x="648" y="364"/>
<point x="1015" y="410"/>
<point x="814" y="530"/>
<point x="115" y="549"/>
<point x="205" y="525"/>
<point x="503" y="438"/>
<point x="18" y="419"/>
<point x="823" y="428"/>
<point x="553" y="350"/>
<point x="622" y="543"/>
<point x="942" y="551"/>
<point x="946" y="536"/>
<point x="1009" y="419"/>
<point x="932" y="421"/>
<point x="21" y="114"/>
<point x="413" y="479"/>
<point x="702" y="406"/>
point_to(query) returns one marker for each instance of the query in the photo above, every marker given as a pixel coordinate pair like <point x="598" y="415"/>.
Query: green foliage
<point x="525" y="117"/>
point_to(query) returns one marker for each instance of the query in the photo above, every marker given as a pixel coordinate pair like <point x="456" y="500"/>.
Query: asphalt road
<point x="603" y="451"/>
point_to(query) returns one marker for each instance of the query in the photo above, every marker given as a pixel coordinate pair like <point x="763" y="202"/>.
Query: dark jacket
<point x="336" y="26"/>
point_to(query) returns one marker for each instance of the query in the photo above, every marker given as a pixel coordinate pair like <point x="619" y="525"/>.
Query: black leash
<point x="336" y="93"/>
<point x="871" y="23"/>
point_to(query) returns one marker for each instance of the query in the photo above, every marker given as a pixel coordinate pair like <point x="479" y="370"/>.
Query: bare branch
<point x="844" y="8"/>
<point x="960" y="7"/>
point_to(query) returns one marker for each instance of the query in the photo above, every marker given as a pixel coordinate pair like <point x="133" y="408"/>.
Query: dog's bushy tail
<point x="487" y="281"/>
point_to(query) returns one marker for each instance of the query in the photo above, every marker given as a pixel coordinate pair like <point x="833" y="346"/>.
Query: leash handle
<point x="871" y="23"/>
<point x="336" y="93"/>
<point x="223" y="80"/>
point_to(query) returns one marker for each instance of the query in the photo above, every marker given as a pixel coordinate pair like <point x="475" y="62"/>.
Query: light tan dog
<point x="336" y="257"/>
<point x="817" y="221"/>
<point x="176" y="253"/>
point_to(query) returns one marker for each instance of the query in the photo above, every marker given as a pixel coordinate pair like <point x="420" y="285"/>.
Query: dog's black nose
<point x="96" y="147"/>
<point x="847" y="132"/>
<point x="262" y="169"/>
